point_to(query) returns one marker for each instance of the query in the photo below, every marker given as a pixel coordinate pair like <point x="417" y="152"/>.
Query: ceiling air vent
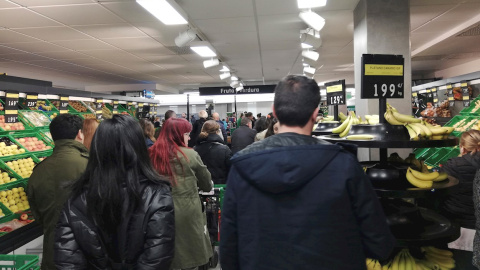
<point x="180" y="50"/>
<point x="474" y="31"/>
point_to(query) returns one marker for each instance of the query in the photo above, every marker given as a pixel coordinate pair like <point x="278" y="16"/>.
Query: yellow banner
<point x="334" y="88"/>
<point x="11" y="111"/>
<point x="12" y="95"/>
<point x="32" y="97"/>
<point x="115" y="102"/>
<point x="64" y="98"/>
<point x="383" y="70"/>
<point x="466" y="97"/>
<point x="451" y="98"/>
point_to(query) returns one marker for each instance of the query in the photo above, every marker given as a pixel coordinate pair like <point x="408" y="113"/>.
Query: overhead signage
<point x="148" y="94"/>
<point x="11" y="107"/>
<point x="336" y="92"/>
<point x="63" y="105"/>
<point x="382" y="76"/>
<point x="254" y="89"/>
<point x="31" y="100"/>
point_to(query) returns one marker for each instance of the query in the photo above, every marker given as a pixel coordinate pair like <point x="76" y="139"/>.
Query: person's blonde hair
<point x="149" y="131"/>
<point x="209" y="127"/>
<point x="202" y="114"/>
<point x="470" y="141"/>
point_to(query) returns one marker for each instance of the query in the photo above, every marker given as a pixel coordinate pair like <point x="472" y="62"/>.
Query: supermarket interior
<point x="398" y="79"/>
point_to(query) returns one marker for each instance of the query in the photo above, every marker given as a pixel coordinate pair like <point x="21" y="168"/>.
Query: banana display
<point x="417" y="129"/>
<point x="435" y="259"/>
<point x="369" y="119"/>
<point x="424" y="180"/>
<point x="106" y="113"/>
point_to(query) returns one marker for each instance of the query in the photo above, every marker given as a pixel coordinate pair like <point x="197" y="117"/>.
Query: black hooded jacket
<point x="147" y="235"/>
<point x="458" y="205"/>
<point x="196" y="129"/>
<point x="296" y="202"/>
<point x="216" y="156"/>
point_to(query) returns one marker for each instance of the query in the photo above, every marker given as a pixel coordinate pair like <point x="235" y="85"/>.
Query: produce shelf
<point x="325" y="128"/>
<point x="17" y="137"/>
<point x="34" y="119"/>
<point x="19" y="237"/>
<point x="19" y="262"/>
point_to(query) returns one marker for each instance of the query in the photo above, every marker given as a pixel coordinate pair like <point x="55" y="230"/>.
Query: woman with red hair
<point x="187" y="173"/>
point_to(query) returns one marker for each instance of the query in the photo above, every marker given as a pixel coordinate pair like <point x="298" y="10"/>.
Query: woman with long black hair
<point x="120" y="212"/>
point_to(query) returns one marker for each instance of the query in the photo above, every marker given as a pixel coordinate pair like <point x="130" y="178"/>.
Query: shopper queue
<point x="131" y="202"/>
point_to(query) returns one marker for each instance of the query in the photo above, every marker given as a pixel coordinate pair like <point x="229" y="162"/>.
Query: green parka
<point x="192" y="242"/>
<point x="46" y="193"/>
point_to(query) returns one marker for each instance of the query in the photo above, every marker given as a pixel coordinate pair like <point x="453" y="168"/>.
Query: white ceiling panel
<point x="65" y="55"/>
<point x="84" y="45"/>
<point x="422" y="14"/>
<point x="130" y="11"/>
<point x="10" y="18"/>
<point x="79" y="14"/>
<point x="103" y="31"/>
<point x="88" y="62"/>
<point x="233" y="39"/>
<point x="35" y="47"/>
<point x="229" y="25"/>
<point x="135" y="43"/>
<point x="51" y="64"/>
<point x="284" y="22"/>
<point x="9" y="36"/>
<point x="4" y="49"/>
<point x="33" y="3"/>
<point x="23" y="57"/>
<point x="6" y="4"/>
<point x="439" y="26"/>
<point x="467" y="10"/>
<point x="53" y="33"/>
<point x="165" y="34"/>
<point x="223" y="9"/>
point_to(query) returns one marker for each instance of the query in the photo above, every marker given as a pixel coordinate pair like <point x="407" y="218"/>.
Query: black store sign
<point x="254" y="89"/>
<point x="11" y="107"/>
<point x="336" y="92"/>
<point x="382" y="76"/>
<point x="63" y="105"/>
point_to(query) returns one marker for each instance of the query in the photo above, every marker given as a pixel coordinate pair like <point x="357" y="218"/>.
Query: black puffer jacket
<point x="196" y="129"/>
<point x="147" y="235"/>
<point x="216" y="156"/>
<point x="459" y="203"/>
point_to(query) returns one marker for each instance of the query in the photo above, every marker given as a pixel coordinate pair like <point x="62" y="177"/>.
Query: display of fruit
<point x="36" y="118"/>
<point x="42" y="106"/>
<point x="463" y="125"/>
<point x="53" y="115"/>
<point x="436" y="258"/>
<point x="458" y="93"/>
<point x="1" y="107"/>
<point x="442" y="110"/>
<point x="8" y="148"/>
<point x="395" y="118"/>
<point x="78" y="106"/>
<point x="23" y="167"/>
<point x="48" y="134"/>
<point x="1" y="213"/>
<point x="56" y="103"/>
<point x="477" y="106"/>
<point x="345" y="127"/>
<point x="89" y="116"/>
<point x="15" y="199"/>
<point x="373" y="264"/>
<point x="33" y="144"/>
<point x="10" y="126"/>
<point x="403" y="260"/>
<point x="5" y="178"/>
<point x="358" y="137"/>
<point x="106" y="113"/>
<point x="424" y="180"/>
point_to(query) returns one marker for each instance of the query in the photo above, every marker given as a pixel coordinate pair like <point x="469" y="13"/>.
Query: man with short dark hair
<point x="170" y="114"/>
<point x="243" y="136"/>
<point x="46" y="192"/>
<point x="296" y="202"/>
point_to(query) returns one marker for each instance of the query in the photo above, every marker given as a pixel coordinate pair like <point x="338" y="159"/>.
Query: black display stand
<point x="19" y="237"/>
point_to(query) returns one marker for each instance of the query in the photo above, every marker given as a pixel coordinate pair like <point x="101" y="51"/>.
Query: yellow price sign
<point x="383" y="70"/>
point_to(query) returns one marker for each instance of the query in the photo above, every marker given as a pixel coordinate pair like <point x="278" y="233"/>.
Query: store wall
<point x="264" y="107"/>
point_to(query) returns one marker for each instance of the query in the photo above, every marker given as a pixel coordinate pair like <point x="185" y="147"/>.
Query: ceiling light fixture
<point x="234" y="84"/>
<point x="302" y="4"/>
<point x="224" y="75"/>
<point x="312" y="55"/>
<point x="225" y="69"/>
<point x="309" y="70"/>
<point x="203" y="48"/>
<point x="310" y="39"/>
<point x="239" y="88"/>
<point x="211" y="63"/>
<point x="312" y="19"/>
<point x="186" y="37"/>
<point x="234" y="78"/>
<point x="167" y="11"/>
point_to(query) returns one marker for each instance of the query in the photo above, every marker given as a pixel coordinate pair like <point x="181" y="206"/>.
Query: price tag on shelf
<point x="115" y="107"/>
<point x="31" y="100"/>
<point x="465" y="94"/>
<point x="414" y="94"/>
<point x="382" y="76"/>
<point x="11" y="107"/>
<point x="63" y="105"/>
<point x="336" y="92"/>
<point x="451" y="99"/>
<point x="11" y="116"/>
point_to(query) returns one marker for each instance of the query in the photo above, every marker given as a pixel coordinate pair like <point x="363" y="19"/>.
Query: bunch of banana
<point x="372" y="119"/>
<point x="342" y="117"/>
<point x="424" y="180"/>
<point x="395" y="118"/>
<point x="427" y="131"/>
<point x="373" y="264"/>
<point x="106" y="113"/>
<point x="403" y="260"/>
<point x="360" y="137"/>
<point x="345" y="127"/>
<point x="436" y="259"/>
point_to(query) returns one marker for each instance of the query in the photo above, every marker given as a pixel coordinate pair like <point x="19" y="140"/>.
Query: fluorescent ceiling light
<point x="224" y="75"/>
<point x="306" y="46"/>
<point x="186" y="37"/>
<point x="167" y="11"/>
<point x="234" y="78"/>
<point x="310" y="55"/>
<point x="224" y="69"/>
<point x="309" y="70"/>
<point x="211" y="63"/>
<point x="310" y="40"/>
<point x="311" y="3"/>
<point x="239" y="87"/>
<point x="312" y="19"/>
<point x="202" y="48"/>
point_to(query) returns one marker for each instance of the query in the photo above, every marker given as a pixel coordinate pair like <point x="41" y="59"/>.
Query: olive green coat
<point x="192" y="242"/>
<point x="46" y="193"/>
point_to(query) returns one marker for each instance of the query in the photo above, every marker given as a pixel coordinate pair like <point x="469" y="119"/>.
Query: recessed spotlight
<point x="186" y="37"/>
<point x="309" y="70"/>
<point x="312" y="55"/>
<point x="211" y="63"/>
<point x="309" y="39"/>
<point x="224" y="75"/>
<point x="225" y="69"/>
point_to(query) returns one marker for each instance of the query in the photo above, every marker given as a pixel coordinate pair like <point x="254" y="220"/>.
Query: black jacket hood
<point x="289" y="169"/>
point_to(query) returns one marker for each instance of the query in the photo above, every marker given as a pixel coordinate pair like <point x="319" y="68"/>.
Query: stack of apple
<point x="10" y="126"/>
<point x="23" y="167"/>
<point x="33" y="144"/>
<point x="7" y="147"/>
<point x="15" y="199"/>
<point x="5" y="178"/>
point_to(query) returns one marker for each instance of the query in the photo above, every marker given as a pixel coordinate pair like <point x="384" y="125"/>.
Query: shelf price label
<point x="115" y="107"/>
<point x="31" y="100"/>
<point x="414" y="94"/>
<point x="63" y="105"/>
<point x="11" y="107"/>
<point x="451" y="99"/>
<point x="140" y="107"/>
<point x="465" y="94"/>
<point x="382" y="76"/>
<point x="336" y="92"/>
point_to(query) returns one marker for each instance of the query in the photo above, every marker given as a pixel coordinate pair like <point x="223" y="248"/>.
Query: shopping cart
<point x="213" y="202"/>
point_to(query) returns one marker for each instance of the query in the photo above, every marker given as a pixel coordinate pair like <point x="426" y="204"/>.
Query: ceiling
<point x="87" y="44"/>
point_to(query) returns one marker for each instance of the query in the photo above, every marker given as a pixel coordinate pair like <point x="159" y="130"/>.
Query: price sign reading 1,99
<point x="335" y="92"/>
<point x="382" y="76"/>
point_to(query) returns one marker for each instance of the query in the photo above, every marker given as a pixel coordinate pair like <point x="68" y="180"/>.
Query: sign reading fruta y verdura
<point x="254" y="89"/>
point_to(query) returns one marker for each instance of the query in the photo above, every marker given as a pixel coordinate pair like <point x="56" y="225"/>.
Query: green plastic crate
<point x="419" y="151"/>
<point x="73" y="110"/>
<point x="26" y="121"/>
<point x="45" y="133"/>
<point x="9" y="187"/>
<point x="427" y="154"/>
<point x="19" y="262"/>
<point x="4" y="162"/>
<point x="32" y="134"/>
<point x="43" y="154"/>
<point x="7" y="214"/>
<point x="15" y="142"/>
<point x="11" y="173"/>
<point x="437" y="157"/>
